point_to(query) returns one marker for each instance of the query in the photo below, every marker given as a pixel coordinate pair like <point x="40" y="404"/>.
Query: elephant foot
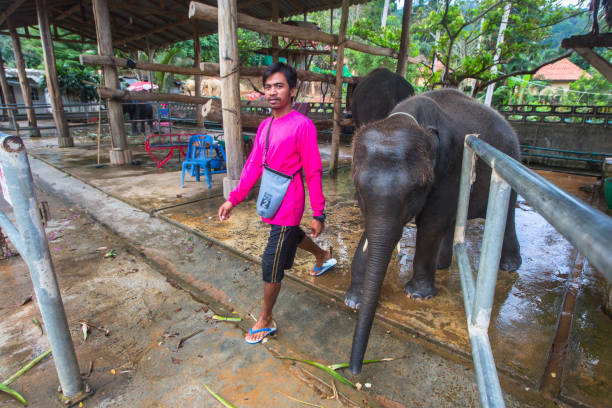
<point x="510" y="263"/>
<point x="353" y="299"/>
<point x="443" y="263"/>
<point x="420" y="290"/>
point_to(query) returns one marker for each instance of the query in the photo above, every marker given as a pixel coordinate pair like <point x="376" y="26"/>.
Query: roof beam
<point x="124" y="41"/>
<point x="66" y="13"/>
<point x="599" y="63"/>
<point x="7" y="13"/>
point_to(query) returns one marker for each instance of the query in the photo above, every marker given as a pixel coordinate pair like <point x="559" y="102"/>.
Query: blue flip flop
<point x="327" y="265"/>
<point x="268" y="330"/>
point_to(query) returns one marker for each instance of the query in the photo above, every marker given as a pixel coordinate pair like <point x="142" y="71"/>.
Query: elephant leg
<point x="511" y="251"/>
<point x="352" y="298"/>
<point x="422" y="286"/>
<point x="445" y="255"/>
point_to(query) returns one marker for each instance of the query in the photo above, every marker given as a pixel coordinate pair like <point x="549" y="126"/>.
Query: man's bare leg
<point x="320" y="254"/>
<point x="271" y="291"/>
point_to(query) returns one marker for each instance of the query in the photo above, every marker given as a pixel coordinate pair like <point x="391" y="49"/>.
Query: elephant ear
<point x="441" y="149"/>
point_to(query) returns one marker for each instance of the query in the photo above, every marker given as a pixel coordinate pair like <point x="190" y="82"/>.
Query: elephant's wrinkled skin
<point x="377" y="94"/>
<point x="404" y="169"/>
<point x="138" y="110"/>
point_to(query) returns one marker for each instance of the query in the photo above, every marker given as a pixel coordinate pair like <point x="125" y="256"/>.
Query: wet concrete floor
<point x="527" y="303"/>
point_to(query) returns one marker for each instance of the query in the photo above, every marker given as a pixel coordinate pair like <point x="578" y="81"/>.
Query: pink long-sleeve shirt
<point x="292" y="146"/>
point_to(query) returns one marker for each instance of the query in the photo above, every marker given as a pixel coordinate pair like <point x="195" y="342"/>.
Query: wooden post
<point x="335" y="146"/>
<point x="197" y="51"/>
<point x="57" y="106"/>
<point x="275" y="45"/>
<point x="23" y="81"/>
<point x="331" y="31"/>
<point x="9" y="98"/>
<point x="229" y="66"/>
<point x="404" y="51"/>
<point x="120" y="153"/>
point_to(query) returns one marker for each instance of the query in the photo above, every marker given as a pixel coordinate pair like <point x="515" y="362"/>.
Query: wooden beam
<point x="229" y="68"/>
<point x="147" y="10"/>
<point x="124" y="41"/>
<point x="35" y="37"/>
<point x="24" y="83"/>
<point x="335" y="142"/>
<point x="209" y="13"/>
<point x="67" y="13"/>
<point x="588" y="41"/>
<point x="404" y="50"/>
<point x="599" y="63"/>
<point x="118" y="94"/>
<point x="10" y="10"/>
<point x="57" y="106"/>
<point x="206" y="68"/>
<point x="120" y="153"/>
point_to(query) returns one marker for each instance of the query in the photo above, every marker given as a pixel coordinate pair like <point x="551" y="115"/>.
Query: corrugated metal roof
<point x="158" y="22"/>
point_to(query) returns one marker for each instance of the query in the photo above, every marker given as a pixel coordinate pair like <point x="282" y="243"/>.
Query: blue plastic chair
<point x="204" y="156"/>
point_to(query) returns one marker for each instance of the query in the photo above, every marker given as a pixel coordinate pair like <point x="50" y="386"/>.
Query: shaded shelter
<point x="148" y="25"/>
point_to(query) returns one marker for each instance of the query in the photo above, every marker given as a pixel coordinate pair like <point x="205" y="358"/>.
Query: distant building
<point x="561" y="73"/>
<point x="35" y="78"/>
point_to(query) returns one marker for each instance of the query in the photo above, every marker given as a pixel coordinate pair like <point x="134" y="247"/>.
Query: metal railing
<point x="561" y="114"/>
<point x="589" y="230"/>
<point x="30" y="240"/>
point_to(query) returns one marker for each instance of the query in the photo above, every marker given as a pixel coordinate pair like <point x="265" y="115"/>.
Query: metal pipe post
<point x="493" y="238"/>
<point x="16" y="170"/>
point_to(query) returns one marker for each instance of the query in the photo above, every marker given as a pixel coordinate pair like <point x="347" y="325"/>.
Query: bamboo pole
<point x="404" y="51"/>
<point x="24" y="83"/>
<point x="205" y="69"/>
<point x="197" y="51"/>
<point x="57" y="106"/>
<point x="9" y="98"/>
<point x="335" y="146"/>
<point x="119" y="153"/>
<point x="209" y="13"/>
<point x="230" y="92"/>
<point x="118" y="94"/>
<point x="275" y="46"/>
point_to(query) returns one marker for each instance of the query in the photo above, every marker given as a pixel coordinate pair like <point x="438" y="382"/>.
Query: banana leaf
<point x="13" y="393"/>
<point x="328" y="370"/>
<point x="218" y="397"/>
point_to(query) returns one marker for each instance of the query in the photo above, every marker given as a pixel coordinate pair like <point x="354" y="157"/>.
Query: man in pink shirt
<point x="292" y="147"/>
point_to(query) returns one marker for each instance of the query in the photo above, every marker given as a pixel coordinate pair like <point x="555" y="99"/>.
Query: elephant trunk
<point x="382" y="238"/>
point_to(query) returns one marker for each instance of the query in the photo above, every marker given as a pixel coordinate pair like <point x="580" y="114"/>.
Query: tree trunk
<point x="24" y="83"/>
<point x="500" y="41"/>
<point x="404" y="52"/>
<point x="229" y="68"/>
<point x="385" y="12"/>
<point x="335" y="146"/>
<point x="59" y="116"/>
<point x="120" y="153"/>
<point x="9" y="98"/>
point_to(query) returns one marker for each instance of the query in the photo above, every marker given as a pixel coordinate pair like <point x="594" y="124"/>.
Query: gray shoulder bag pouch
<point x="273" y="186"/>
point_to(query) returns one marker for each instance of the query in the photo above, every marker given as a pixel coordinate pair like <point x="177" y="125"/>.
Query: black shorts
<point x="280" y="251"/>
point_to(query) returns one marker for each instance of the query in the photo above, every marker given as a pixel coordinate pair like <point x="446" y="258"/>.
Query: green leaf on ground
<point x="227" y="319"/>
<point x="323" y="367"/>
<point x="26" y="368"/>
<point x="13" y="393"/>
<point x="344" y="365"/>
<point x="218" y="397"/>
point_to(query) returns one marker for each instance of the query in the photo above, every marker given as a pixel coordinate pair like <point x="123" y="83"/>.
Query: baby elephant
<point x="408" y="166"/>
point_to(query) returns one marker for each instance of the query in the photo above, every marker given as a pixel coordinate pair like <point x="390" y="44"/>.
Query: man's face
<point x="277" y="91"/>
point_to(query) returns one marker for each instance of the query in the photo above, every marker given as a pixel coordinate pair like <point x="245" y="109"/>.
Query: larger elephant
<point x="377" y="94"/>
<point x="408" y="166"/>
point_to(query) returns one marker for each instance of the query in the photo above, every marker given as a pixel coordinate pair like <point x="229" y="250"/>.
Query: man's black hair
<point x="288" y="71"/>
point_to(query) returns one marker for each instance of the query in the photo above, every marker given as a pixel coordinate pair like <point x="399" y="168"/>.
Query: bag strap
<point x="267" y="143"/>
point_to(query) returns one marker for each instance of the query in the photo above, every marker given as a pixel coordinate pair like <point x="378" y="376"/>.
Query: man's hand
<point x="316" y="227"/>
<point x="225" y="210"/>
